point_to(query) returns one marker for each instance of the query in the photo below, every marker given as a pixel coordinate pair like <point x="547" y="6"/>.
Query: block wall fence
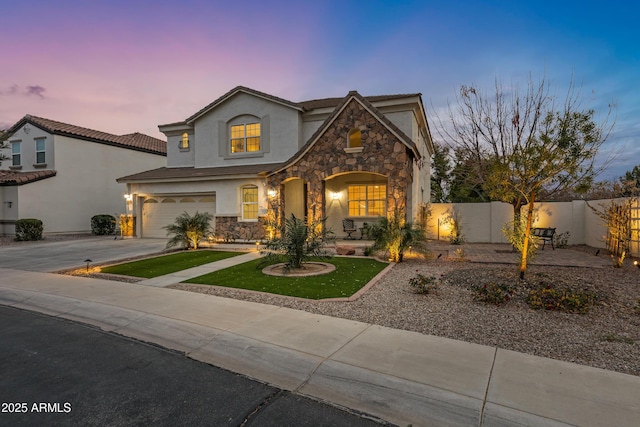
<point x="483" y="222"/>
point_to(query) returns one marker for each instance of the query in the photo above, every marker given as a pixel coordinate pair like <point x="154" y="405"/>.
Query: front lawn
<point x="166" y="264"/>
<point x="351" y="275"/>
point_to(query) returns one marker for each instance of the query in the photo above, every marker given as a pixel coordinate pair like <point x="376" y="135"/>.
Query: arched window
<point x="184" y="143"/>
<point x="250" y="203"/>
<point x="355" y="138"/>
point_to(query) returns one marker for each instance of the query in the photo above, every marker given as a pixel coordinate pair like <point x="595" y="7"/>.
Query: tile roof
<point x="233" y="92"/>
<point x="302" y="105"/>
<point x="134" y="141"/>
<point x="334" y="102"/>
<point x="8" y="177"/>
<point x="193" y="172"/>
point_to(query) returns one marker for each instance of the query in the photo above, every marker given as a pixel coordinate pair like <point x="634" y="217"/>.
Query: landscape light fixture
<point x="636" y="264"/>
<point x="88" y="261"/>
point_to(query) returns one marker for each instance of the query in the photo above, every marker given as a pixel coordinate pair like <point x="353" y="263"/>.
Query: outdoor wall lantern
<point x="128" y="197"/>
<point x="272" y="193"/>
<point x="335" y="195"/>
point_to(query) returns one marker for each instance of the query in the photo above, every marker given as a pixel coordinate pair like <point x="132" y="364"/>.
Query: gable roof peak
<point x="233" y="92"/>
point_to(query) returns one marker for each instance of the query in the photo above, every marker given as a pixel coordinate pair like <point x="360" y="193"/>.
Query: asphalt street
<point x="58" y="372"/>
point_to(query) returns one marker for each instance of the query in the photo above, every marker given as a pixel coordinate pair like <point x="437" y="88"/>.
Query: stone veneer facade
<point x="228" y="228"/>
<point x="382" y="153"/>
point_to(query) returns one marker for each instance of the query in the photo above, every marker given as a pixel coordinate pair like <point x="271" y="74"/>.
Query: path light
<point x="636" y="264"/>
<point x="87" y="261"/>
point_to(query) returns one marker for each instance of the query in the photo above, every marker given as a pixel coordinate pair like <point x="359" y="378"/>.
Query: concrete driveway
<point x="65" y="254"/>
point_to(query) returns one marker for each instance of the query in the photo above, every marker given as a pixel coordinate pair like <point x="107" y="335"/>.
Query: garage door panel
<point x="158" y="212"/>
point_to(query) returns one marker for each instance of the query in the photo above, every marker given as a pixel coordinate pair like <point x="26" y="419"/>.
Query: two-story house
<point x="64" y="174"/>
<point x="249" y="154"/>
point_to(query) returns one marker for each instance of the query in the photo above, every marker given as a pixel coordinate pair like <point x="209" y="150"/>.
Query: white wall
<point x="227" y="192"/>
<point x="85" y="184"/>
<point x="28" y="149"/>
<point x="483" y="222"/>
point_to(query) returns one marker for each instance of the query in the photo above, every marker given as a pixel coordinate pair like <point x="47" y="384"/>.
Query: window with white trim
<point x="245" y="138"/>
<point x="41" y="150"/>
<point x="249" y="203"/>
<point x="367" y="199"/>
<point x="15" y="153"/>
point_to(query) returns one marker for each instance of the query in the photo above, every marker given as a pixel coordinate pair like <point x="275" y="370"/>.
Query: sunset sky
<point x="126" y="66"/>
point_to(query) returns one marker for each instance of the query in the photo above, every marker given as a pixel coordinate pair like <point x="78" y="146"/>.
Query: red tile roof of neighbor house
<point x="133" y="141"/>
<point x="19" y="178"/>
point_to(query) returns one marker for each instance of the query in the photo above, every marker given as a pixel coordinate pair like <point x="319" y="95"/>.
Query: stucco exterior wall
<point x="280" y="131"/>
<point x="28" y="149"/>
<point x="85" y="184"/>
<point x="227" y="192"/>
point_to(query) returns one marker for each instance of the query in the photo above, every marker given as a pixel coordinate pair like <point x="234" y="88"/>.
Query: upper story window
<point x="15" y="153"/>
<point x="184" y="142"/>
<point x="367" y="200"/>
<point x="245" y="138"/>
<point x="249" y="203"/>
<point x="40" y="150"/>
<point x="355" y="138"/>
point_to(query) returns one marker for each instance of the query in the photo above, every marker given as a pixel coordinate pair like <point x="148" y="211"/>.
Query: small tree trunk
<point x="527" y="234"/>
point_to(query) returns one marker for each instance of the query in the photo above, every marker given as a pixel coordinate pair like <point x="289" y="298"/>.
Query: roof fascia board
<point x="233" y="93"/>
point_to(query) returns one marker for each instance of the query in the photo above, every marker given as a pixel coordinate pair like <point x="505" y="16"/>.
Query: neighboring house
<point x="250" y="155"/>
<point x="64" y="174"/>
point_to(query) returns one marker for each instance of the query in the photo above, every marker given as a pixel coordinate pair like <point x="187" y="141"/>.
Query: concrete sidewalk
<point x="399" y="376"/>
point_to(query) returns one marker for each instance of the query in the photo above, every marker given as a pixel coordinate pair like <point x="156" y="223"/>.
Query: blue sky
<point x="125" y="66"/>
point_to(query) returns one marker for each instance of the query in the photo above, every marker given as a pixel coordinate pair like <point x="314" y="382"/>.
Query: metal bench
<point x="544" y="234"/>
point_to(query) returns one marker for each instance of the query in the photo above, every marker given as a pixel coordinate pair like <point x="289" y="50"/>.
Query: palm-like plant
<point x="297" y="243"/>
<point x="395" y="235"/>
<point x="189" y="230"/>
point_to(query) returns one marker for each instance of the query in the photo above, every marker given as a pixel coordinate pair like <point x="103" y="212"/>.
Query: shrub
<point x="103" y="224"/>
<point x="395" y="235"/>
<point x="492" y="293"/>
<point x="189" y="230"/>
<point x="515" y="231"/>
<point x="561" y="240"/>
<point x="298" y="243"/>
<point x="561" y="299"/>
<point x="422" y="284"/>
<point x="28" y="229"/>
<point x="454" y="219"/>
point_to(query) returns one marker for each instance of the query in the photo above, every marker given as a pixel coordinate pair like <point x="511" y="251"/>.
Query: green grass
<point x="167" y="264"/>
<point x="351" y="275"/>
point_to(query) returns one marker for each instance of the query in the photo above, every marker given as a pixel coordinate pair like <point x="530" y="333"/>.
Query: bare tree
<point x="523" y="142"/>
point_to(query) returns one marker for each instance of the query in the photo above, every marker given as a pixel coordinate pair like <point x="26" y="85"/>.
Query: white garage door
<point x="158" y="212"/>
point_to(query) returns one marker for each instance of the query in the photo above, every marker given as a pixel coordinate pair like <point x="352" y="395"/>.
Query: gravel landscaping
<point x="607" y="336"/>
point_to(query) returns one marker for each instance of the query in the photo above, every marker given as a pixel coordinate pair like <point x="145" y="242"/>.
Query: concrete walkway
<point x="402" y="377"/>
<point x="190" y="273"/>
